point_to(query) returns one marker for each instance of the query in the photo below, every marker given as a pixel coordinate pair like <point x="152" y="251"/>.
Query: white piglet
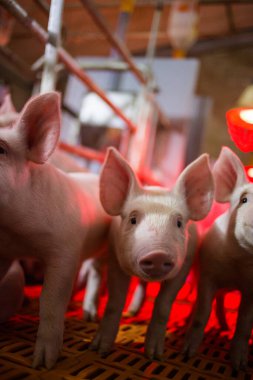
<point x="46" y="214"/>
<point x="226" y="257"/>
<point x="151" y="239"/>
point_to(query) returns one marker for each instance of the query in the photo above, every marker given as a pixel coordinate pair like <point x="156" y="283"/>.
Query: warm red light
<point x="240" y="126"/>
<point x="249" y="172"/>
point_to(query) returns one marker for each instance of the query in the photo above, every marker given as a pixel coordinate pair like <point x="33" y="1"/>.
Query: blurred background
<point x="197" y="55"/>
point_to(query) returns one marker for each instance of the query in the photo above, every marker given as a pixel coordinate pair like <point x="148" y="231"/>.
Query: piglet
<point x="150" y="239"/>
<point x="91" y="269"/>
<point x="226" y="257"/>
<point x="46" y="214"/>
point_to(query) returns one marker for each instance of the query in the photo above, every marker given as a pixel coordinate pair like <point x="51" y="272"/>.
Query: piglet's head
<point x="151" y="241"/>
<point x="232" y="185"/>
<point x="35" y="133"/>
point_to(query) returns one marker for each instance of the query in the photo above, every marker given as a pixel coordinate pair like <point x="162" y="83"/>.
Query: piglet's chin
<point x="244" y="237"/>
<point x="246" y="241"/>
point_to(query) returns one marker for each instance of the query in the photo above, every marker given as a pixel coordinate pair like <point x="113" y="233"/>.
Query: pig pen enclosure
<point x="158" y="145"/>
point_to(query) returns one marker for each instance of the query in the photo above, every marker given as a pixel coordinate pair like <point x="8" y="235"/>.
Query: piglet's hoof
<point x="46" y="352"/>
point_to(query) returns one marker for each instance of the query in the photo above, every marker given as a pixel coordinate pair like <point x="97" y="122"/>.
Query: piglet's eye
<point x="179" y="223"/>
<point x="133" y="220"/>
<point x="2" y="150"/>
<point x="244" y="200"/>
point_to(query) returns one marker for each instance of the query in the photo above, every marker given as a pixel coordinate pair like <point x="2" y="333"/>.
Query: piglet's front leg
<point x="118" y="283"/>
<point x="240" y="342"/>
<point x="202" y="309"/>
<point x="56" y="292"/>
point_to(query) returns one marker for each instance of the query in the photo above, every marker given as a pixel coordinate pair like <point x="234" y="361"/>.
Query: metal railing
<point x="134" y="141"/>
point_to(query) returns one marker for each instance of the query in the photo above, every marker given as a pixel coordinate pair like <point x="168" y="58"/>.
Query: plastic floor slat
<point x="126" y="361"/>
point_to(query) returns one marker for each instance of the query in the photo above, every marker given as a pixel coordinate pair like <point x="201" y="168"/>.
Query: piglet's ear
<point x="117" y="182"/>
<point x="195" y="185"/>
<point x="7" y="105"/>
<point x="39" y="123"/>
<point x="228" y="173"/>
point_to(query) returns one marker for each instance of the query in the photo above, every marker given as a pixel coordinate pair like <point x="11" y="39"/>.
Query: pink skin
<point x="12" y="283"/>
<point x="151" y="239"/>
<point x="46" y="215"/>
<point x="226" y="257"/>
<point x="62" y="161"/>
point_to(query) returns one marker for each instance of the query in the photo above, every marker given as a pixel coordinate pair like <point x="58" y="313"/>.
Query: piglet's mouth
<point x="156" y="277"/>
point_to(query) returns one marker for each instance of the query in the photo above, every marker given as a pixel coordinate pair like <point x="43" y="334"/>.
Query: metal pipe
<point x="48" y="79"/>
<point x="114" y="40"/>
<point x="125" y="139"/>
<point x="153" y="33"/>
<point x="83" y="152"/>
<point x="107" y="64"/>
<point x="17" y="11"/>
<point x="123" y="21"/>
<point x="90" y="65"/>
<point x="112" y="65"/>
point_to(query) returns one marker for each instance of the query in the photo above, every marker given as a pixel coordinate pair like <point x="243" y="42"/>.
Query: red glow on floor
<point x="180" y="311"/>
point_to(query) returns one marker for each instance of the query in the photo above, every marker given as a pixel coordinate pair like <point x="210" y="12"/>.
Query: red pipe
<point x="83" y="152"/>
<point x="147" y="178"/>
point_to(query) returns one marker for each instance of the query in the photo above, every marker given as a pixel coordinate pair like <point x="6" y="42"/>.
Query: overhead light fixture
<point x="183" y="26"/>
<point x="240" y="126"/>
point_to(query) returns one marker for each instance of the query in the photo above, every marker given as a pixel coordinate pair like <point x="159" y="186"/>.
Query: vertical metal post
<point x="54" y="33"/>
<point x="153" y="33"/>
<point x="152" y="42"/>
<point x="126" y="10"/>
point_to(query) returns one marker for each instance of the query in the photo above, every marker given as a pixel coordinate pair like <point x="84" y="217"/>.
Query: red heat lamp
<point x="240" y="126"/>
<point x="249" y="172"/>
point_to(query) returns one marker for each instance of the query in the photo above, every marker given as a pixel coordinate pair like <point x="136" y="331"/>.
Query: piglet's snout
<point x="156" y="264"/>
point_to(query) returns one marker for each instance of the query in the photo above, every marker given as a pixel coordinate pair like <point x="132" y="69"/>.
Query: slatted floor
<point x="126" y="361"/>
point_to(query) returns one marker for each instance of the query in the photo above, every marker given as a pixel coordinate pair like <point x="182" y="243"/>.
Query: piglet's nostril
<point x="156" y="264"/>
<point x="147" y="263"/>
